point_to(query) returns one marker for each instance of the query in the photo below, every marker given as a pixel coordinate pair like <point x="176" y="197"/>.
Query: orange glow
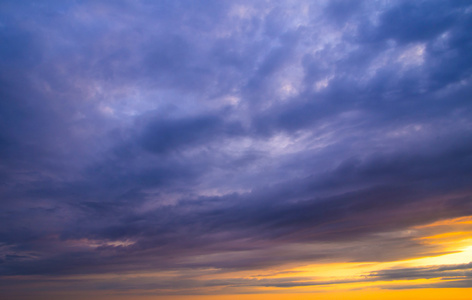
<point x="447" y="242"/>
<point x="448" y="235"/>
<point x="367" y="294"/>
<point x="455" y="221"/>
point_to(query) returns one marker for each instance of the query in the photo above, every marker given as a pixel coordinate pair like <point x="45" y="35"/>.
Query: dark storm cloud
<point x="150" y="136"/>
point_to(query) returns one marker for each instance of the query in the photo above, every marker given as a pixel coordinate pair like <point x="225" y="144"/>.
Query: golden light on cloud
<point x="446" y="243"/>
<point x="433" y="276"/>
<point x="206" y="149"/>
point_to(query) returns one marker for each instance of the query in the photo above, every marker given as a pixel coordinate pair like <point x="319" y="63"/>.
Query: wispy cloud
<point x="212" y="136"/>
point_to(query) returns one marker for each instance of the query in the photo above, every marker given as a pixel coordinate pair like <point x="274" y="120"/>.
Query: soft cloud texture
<point x="142" y="136"/>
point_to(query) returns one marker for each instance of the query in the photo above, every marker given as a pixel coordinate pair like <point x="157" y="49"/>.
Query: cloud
<point x="423" y="272"/>
<point x="161" y="136"/>
<point x="189" y="135"/>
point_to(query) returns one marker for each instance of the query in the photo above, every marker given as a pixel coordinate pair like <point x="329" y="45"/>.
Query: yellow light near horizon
<point x="320" y="281"/>
<point x="454" y="236"/>
<point x="462" y="256"/>
<point x="369" y="294"/>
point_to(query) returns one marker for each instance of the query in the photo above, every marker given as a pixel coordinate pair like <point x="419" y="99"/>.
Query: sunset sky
<point x="190" y="150"/>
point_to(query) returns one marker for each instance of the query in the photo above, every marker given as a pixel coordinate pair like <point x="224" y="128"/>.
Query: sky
<point x="238" y="149"/>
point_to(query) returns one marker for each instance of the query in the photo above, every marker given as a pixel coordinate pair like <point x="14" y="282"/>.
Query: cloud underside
<point x="188" y="136"/>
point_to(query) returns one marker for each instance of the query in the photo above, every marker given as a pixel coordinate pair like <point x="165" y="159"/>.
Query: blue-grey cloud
<point x="139" y="135"/>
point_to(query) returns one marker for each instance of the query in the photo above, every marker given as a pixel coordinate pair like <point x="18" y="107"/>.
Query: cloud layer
<point x="141" y="136"/>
